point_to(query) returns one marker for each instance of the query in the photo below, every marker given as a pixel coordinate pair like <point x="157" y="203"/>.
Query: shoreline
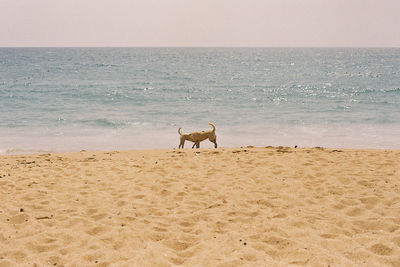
<point x="251" y="206"/>
<point x="187" y="148"/>
<point x="334" y="137"/>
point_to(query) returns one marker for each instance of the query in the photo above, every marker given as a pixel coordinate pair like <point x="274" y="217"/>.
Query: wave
<point x="105" y="123"/>
<point x="396" y="90"/>
<point x="374" y="91"/>
<point x="333" y="136"/>
<point x="19" y="151"/>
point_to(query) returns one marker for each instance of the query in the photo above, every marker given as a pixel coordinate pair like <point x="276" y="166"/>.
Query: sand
<point x="206" y="207"/>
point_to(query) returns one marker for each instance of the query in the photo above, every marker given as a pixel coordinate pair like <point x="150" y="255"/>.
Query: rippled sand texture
<point x="222" y="207"/>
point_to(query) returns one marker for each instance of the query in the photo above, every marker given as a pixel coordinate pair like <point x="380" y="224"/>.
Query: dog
<point x="197" y="137"/>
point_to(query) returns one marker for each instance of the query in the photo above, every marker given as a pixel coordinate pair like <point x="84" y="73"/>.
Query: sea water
<point x="69" y="99"/>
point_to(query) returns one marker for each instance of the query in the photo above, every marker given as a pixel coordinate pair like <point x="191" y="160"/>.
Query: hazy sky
<point x="200" y="23"/>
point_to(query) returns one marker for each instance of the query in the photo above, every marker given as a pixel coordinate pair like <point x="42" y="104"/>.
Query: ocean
<point x="72" y="99"/>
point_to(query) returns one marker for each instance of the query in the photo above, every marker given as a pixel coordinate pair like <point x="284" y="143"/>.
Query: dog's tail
<point x="212" y="126"/>
<point x="179" y="131"/>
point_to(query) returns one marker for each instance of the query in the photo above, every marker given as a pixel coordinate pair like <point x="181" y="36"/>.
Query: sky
<point x="227" y="23"/>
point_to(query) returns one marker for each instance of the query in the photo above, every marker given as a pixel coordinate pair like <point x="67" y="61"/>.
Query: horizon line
<point x="172" y="46"/>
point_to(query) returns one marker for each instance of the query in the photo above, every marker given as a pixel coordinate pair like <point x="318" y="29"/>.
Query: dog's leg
<point x="198" y="145"/>
<point x="213" y="140"/>
<point x="182" y="143"/>
<point x="215" y="143"/>
<point x="193" y="145"/>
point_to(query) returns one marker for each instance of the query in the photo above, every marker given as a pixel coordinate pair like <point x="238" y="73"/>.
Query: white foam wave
<point x="350" y="136"/>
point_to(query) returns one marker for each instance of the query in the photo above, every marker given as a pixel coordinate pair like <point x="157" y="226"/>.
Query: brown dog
<point x="197" y="137"/>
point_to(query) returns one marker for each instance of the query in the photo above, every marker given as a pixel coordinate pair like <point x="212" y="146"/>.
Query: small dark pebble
<point x="21" y="210"/>
<point x="245" y="243"/>
<point x="295" y="146"/>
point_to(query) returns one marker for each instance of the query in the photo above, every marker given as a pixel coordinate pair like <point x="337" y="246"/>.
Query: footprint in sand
<point x="369" y="202"/>
<point x="156" y="237"/>
<point x="96" y="230"/>
<point x="18" y="219"/>
<point x="381" y="249"/>
<point x="355" y="212"/>
<point x="328" y="236"/>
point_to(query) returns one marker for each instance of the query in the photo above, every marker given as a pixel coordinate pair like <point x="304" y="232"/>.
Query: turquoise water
<point x="68" y="99"/>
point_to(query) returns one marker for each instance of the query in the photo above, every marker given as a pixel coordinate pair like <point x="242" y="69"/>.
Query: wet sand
<point x="207" y="207"/>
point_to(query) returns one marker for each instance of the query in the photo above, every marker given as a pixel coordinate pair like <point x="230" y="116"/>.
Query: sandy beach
<point x="271" y="206"/>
